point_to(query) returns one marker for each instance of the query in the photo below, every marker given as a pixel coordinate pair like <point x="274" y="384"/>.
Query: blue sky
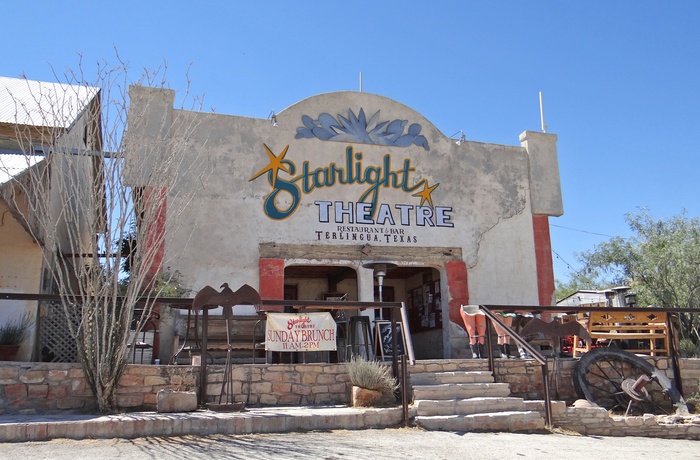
<point x="619" y="78"/>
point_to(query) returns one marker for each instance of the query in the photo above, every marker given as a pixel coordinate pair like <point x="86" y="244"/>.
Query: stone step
<point x="511" y="421"/>
<point x="433" y="378"/>
<point x="468" y="406"/>
<point x="460" y="390"/>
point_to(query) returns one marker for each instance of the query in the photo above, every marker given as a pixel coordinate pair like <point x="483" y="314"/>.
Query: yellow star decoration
<point x="274" y="166"/>
<point x="425" y="193"/>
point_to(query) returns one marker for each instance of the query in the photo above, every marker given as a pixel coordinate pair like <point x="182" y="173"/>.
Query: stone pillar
<point x="545" y="200"/>
<point x="545" y="185"/>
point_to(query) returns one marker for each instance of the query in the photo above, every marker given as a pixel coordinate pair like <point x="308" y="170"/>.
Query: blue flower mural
<point x="356" y="128"/>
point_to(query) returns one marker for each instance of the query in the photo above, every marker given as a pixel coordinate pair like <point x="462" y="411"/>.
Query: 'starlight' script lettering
<point x="352" y="172"/>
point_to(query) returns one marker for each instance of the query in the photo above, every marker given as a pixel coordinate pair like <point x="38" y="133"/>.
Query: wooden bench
<point x="644" y="333"/>
<point x="245" y="338"/>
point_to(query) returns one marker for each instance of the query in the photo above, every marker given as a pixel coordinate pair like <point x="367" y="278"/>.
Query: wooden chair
<point x="149" y="331"/>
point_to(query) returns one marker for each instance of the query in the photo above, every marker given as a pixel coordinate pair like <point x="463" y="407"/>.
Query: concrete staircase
<point x="469" y="401"/>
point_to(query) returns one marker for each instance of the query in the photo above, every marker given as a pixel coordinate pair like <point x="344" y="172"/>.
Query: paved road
<point x="403" y="443"/>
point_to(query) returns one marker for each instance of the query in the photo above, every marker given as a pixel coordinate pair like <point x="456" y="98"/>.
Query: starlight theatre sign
<point x="368" y="218"/>
<point x="300" y="332"/>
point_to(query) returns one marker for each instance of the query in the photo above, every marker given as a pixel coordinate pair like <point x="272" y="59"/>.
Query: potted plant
<point x="372" y="383"/>
<point x="12" y="334"/>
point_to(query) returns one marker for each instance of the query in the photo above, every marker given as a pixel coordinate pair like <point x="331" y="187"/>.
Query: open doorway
<point x="419" y="289"/>
<point x="320" y="282"/>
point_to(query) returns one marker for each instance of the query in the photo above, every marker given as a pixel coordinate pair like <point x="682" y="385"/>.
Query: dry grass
<point x="371" y="375"/>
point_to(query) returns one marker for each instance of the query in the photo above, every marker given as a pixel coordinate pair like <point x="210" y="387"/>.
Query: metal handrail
<point x="404" y="390"/>
<point x="569" y="309"/>
<point x="530" y="350"/>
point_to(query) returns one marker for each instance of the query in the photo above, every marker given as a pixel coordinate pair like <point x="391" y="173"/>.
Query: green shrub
<point x="15" y="331"/>
<point x="693" y="402"/>
<point x="688" y="349"/>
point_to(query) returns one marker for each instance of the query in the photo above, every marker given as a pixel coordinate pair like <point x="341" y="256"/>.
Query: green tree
<point x="590" y="279"/>
<point x="660" y="261"/>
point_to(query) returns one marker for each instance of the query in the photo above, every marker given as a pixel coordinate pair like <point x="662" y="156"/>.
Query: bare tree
<point x="80" y="199"/>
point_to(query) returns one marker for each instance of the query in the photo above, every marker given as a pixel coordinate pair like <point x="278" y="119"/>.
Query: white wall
<point x="505" y="271"/>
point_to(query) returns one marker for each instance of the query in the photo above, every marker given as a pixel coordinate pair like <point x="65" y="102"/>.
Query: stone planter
<point x="364" y="397"/>
<point x="176" y="401"/>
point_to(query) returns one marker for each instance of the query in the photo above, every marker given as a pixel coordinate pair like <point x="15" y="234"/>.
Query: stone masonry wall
<point x="525" y="375"/>
<point x="35" y="388"/>
<point x="586" y="419"/>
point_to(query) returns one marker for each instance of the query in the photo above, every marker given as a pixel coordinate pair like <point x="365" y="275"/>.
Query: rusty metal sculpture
<point x="555" y="330"/>
<point x="206" y="299"/>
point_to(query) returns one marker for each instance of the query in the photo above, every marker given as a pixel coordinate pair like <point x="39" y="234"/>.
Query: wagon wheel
<point x="622" y="382"/>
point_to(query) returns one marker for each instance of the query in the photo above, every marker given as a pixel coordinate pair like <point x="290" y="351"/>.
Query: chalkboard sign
<point x="383" y="341"/>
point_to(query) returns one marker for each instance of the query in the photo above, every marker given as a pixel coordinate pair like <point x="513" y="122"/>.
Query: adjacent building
<point x="37" y="118"/>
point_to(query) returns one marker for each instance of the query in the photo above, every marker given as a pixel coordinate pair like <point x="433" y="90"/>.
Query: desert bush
<point x="371" y="375"/>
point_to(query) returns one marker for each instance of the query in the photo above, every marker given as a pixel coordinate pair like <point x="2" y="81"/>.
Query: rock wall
<point x="38" y="388"/>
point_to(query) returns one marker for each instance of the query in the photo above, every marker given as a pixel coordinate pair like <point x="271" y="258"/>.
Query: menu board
<point x="383" y="343"/>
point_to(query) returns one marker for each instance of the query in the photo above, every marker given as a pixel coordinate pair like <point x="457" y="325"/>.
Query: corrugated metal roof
<point x="41" y="104"/>
<point x="37" y="103"/>
<point x="11" y="165"/>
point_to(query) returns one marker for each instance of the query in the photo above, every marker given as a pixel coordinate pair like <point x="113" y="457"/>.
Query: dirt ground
<point x="402" y="443"/>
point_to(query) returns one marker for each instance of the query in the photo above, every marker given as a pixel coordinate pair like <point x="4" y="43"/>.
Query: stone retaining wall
<point x="37" y="388"/>
<point x="588" y="420"/>
<point x="525" y="375"/>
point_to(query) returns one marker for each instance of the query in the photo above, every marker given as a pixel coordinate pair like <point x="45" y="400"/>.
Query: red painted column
<point x="457" y="283"/>
<point x="272" y="281"/>
<point x="543" y="259"/>
<point x="155" y="204"/>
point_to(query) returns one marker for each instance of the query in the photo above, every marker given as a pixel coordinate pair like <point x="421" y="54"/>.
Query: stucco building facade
<point x="38" y="119"/>
<point x="301" y="205"/>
